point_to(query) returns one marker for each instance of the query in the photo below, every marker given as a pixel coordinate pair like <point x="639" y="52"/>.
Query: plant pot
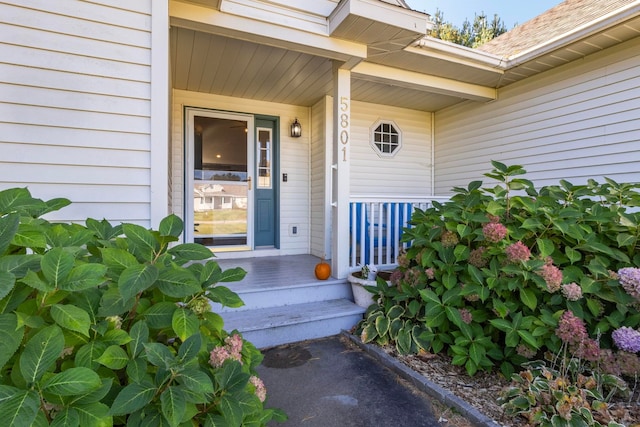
<point x="361" y="296"/>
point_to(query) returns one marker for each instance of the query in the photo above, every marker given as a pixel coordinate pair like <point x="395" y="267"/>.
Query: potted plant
<point x="364" y="284"/>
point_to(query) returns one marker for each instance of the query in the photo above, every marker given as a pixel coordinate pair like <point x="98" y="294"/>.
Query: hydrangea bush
<point x="105" y="325"/>
<point x="500" y="275"/>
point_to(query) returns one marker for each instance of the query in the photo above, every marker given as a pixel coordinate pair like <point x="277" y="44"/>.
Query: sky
<point x="510" y="11"/>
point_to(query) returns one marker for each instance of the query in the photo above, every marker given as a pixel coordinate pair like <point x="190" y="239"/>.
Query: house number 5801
<point x="344" y="125"/>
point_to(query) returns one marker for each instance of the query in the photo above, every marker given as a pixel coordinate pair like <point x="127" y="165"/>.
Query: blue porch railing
<point x="376" y="227"/>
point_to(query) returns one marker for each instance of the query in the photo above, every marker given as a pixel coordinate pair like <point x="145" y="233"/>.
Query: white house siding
<point x="578" y="122"/>
<point x="321" y="130"/>
<point x="294" y="160"/>
<point x="408" y="173"/>
<point x="75" y="105"/>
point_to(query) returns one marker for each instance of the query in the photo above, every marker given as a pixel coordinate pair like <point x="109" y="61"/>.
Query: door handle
<point x="249" y="183"/>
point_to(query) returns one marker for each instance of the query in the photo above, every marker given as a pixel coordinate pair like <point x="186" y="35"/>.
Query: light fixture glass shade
<point x="296" y="129"/>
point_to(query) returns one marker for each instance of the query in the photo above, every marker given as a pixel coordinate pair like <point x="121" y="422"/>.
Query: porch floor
<point x="275" y="271"/>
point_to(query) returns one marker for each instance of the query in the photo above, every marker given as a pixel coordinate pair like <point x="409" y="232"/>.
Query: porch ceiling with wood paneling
<point x="210" y="63"/>
<point x="228" y="54"/>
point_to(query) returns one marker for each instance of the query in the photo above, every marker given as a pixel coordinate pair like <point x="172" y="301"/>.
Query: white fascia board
<point x="199" y="18"/>
<point x="463" y="55"/>
<point x="424" y="82"/>
<point x="382" y="12"/>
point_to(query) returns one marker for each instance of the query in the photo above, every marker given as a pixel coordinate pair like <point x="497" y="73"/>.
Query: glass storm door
<point x="219" y="171"/>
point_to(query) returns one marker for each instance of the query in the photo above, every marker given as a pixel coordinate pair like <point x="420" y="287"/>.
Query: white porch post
<point x="340" y="171"/>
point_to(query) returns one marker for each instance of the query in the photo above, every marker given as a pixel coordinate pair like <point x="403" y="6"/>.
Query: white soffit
<point x="374" y="22"/>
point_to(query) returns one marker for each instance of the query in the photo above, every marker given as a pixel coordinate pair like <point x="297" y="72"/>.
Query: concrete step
<point x="271" y="326"/>
<point x="257" y="297"/>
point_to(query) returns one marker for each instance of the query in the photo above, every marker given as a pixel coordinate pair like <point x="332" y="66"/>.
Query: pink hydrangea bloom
<point x="572" y="291"/>
<point x="588" y="349"/>
<point x="231" y="350"/>
<point x="629" y="278"/>
<point x="525" y="351"/>
<point x="449" y="239"/>
<point x="494" y="231"/>
<point x="260" y="389"/>
<point x="552" y="276"/>
<point x="430" y="274"/>
<point x="571" y="329"/>
<point x="218" y="356"/>
<point x="476" y="257"/>
<point x="517" y="252"/>
<point x="466" y="315"/>
<point x="234" y="345"/>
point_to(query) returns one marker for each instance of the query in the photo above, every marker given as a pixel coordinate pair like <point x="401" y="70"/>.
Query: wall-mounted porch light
<point x="296" y="129"/>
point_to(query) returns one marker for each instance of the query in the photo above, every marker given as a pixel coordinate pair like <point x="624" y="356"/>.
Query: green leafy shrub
<point x="106" y="325"/>
<point x="489" y="273"/>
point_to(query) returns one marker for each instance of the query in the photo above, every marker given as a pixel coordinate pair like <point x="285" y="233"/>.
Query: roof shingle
<point x="555" y="22"/>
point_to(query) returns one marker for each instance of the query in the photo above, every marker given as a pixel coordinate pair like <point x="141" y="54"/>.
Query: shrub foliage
<point x="106" y="325"/>
<point x="489" y="273"/>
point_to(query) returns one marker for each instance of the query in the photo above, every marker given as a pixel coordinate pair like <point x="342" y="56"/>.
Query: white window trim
<point x="372" y="131"/>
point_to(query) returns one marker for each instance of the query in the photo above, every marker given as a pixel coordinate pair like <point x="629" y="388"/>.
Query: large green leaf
<point x="159" y="315"/>
<point x="232" y="275"/>
<point x="136" y="370"/>
<point x="96" y="395"/>
<point x="546" y="247"/>
<point x="20" y="264"/>
<point x="7" y="282"/>
<point x="33" y="279"/>
<point x="18" y="408"/>
<point x="132" y="398"/>
<point x="114" y="357"/>
<point x="29" y="236"/>
<point x="56" y="265"/>
<point x="41" y="352"/>
<point x="191" y="251"/>
<point x="10" y="337"/>
<point x="112" y="303"/>
<point x="173" y="405"/>
<point x="171" y="225"/>
<point x="71" y="317"/>
<point x="231" y="410"/>
<point x="184" y="323"/>
<point x="529" y="298"/>
<point x="67" y="417"/>
<point x="117" y="260"/>
<point x="87" y="355"/>
<point x="195" y="380"/>
<point x="141" y="241"/>
<point x="136" y="279"/>
<point x="190" y="348"/>
<point x="224" y="296"/>
<point x="139" y="335"/>
<point x="178" y="282"/>
<point x="8" y="228"/>
<point x="84" y="276"/>
<point x="72" y="382"/>
<point x="158" y="354"/>
<point x="231" y="377"/>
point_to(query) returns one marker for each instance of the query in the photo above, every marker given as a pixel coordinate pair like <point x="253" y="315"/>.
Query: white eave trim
<point x="382" y="12"/>
<point x="199" y="18"/>
<point x="427" y="83"/>
<point x="463" y="55"/>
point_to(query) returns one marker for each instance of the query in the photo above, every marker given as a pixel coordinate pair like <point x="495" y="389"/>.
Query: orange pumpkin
<point x="323" y="270"/>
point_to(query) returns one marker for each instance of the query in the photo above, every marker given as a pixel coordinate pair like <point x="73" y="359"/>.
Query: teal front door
<point x="266" y="229"/>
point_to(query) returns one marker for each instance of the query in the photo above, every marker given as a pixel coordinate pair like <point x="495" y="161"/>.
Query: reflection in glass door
<point x="220" y="179"/>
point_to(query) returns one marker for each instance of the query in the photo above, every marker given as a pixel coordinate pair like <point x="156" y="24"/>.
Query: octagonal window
<point x="386" y="138"/>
